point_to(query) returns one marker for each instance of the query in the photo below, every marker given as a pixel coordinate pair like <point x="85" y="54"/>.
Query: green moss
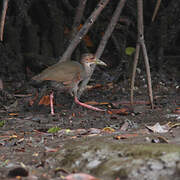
<point x="148" y="150"/>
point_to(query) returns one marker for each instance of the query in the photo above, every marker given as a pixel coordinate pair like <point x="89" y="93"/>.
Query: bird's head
<point x="89" y="59"/>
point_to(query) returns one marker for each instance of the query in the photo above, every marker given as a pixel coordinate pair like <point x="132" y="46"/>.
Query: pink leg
<point x="86" y="105"/>
<point x="51" y="103"/>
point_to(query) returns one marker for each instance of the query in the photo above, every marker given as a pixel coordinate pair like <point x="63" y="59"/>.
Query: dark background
<point x="37" y="32"/>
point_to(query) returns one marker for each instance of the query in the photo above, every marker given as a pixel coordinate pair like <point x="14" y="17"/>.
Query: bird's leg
<point x="51" y="103"/>
<point x="86" y="105"/>
<point x="74" y="93"/>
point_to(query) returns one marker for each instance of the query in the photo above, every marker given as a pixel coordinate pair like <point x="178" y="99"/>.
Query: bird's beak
<point x="99" y="62"/>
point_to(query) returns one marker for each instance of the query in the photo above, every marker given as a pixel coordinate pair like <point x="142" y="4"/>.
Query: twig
<point x="90" y="21"/>
<point x="104" y="40"/>
<point x="5" y="6"/>
<point x="1" y="84"/>
<point x="158" y="3"/>
<point x="140" y="43"/>
<point x="136" y="57"/>
<point x="78" y="16"/>
<point x="110" y="28"/>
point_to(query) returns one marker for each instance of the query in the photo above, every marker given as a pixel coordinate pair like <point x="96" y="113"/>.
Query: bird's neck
<point x="88" y="68"/>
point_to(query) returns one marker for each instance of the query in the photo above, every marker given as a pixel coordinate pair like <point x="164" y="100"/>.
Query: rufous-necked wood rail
<point x="70" y="74"/>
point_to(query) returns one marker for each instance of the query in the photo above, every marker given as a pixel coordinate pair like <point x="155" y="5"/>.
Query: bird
<point x="70" y="74"/>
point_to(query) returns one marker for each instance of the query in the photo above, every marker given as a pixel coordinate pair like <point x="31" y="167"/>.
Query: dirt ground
<point x="25" y="140"/>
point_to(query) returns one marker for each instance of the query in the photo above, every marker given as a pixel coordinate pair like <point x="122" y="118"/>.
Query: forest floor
<point x="31" y="138"/>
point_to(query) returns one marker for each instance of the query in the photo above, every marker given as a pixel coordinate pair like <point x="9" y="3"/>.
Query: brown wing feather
<point x="61" y="72"/>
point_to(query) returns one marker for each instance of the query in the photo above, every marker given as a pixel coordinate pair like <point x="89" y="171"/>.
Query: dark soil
<point x="24" y="137"/>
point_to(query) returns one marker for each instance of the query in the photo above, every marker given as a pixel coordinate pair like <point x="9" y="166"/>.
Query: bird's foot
<point x="86" y="105"/>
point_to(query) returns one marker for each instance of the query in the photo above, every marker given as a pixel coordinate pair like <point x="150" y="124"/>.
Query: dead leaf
<point x="124" y="127"/>
<point x="35" y="154"/>
<point x="13" y="114"/>
<point x="45" y="100"/>
<point x="172" y="124"/>
<point x="80" y="176"/>
<point x="48" y="149"/>
<point x="125" y="136"/>
<point x="81" y="131"/>
<point x="110" y="85"/>
<point x="160" y="139"/>
<point x="92" y="103"/>
<point x="108" y="129"/>
<point x="20" y="140"/>
<point x="89" y="87"/>
<point x="157" y="128"/>
<point x="96" y="103"/>
<point x="20" y="150"/>
<point x="13" y="136"/>
<point x="94" y="131"/>
<point x="122" y="111"/>
<point x="103" y="103"/>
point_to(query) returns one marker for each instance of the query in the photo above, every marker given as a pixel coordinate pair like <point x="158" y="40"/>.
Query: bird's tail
<point x="37" y="78"/>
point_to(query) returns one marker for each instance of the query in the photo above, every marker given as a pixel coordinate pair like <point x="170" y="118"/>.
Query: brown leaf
<point x="92" y="103"/>
<point x="80" y="176"/>
<point x="110" y="85"/>
<point x="122" y="111"/>
<point x="125" y="136"/>
<point x="89" y="87"/>
<point x="108" y="129"/>
<point x="45" y="100"/>
<point x="13" y="114"/>
<point x="96" y="103"/>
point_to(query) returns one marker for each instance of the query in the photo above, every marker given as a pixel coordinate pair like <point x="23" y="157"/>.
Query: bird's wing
<point x="62" y="72"/>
